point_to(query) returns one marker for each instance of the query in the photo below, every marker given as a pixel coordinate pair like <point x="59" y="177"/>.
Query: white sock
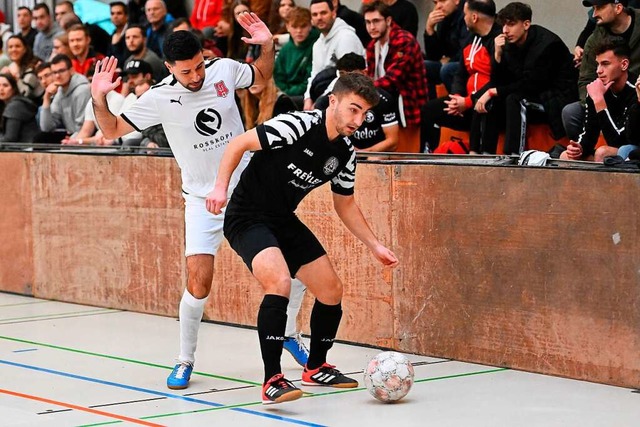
<point x="191" y="310"/>
<point x="295" y="302"/>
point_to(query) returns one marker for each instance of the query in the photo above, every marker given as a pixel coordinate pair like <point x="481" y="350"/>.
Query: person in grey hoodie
<point x="336" y="39"/>
<point x="72" y="93"/>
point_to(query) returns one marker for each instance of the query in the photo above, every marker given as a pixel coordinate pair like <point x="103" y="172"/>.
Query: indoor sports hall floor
<point x="70" y="365"/>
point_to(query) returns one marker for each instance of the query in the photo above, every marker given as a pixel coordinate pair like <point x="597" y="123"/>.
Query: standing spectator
<point x="156" y="12"/>
<point x="47" y="30"/>
<point x="84" y="57"/>
<point x="22" y="68"/>
<point x="353" y="19"/>
<point x="444" y="37"/>
<point x="532" y="77"/>
<point x="293" y="64"/>
<point x="23" y="20"/>
<point x="472" y="79"/>
<point x="404" y="14"/>
<point x="610" y="99"/>
<point x="62" y="8"/>
<point x="394" y="61"/>
<point x="336" y="40"/>
<point x="119" y="17"/>
<point x="136" y="43"/>
<point x="613" y="18"/>
<point x="71" y="92"/>
<point x="18" y="123"/>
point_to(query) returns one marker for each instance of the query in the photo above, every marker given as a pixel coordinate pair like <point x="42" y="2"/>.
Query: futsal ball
<point x="389" y="376"/>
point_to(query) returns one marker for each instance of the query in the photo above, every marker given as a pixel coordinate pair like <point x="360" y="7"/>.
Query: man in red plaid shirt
<point x="395" y="63"/>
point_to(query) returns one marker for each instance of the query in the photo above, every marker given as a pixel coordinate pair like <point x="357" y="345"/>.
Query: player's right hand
<point x="216" y="200"/>
<point x="102" y="82"/>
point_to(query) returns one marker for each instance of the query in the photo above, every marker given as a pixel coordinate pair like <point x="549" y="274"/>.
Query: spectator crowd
<point x="481" y="70"/>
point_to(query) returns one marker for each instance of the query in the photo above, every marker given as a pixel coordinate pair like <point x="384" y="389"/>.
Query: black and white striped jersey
<point x="296" y="157"/>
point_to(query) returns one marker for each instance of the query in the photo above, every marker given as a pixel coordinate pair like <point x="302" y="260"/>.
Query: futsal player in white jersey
<point x="195" y="105"/>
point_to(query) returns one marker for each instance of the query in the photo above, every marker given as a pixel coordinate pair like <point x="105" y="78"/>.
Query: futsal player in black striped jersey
<point x="296" y="153"/>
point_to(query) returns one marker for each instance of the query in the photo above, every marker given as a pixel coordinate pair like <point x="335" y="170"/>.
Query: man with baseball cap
<point x="613" y="18"/>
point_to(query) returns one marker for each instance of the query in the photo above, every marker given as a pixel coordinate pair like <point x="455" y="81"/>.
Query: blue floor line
<point x="160" y="393"/>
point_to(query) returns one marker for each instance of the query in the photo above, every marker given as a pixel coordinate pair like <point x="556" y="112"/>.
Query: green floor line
<point x="54" y="316"/>
<point x="124" y="359"/>
<point x="330" y="393"/>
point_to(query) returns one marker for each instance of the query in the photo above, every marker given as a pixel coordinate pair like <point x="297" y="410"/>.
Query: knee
<point x="602" y="152"/>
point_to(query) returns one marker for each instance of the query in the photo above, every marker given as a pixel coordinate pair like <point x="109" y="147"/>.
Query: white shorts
<point x="203" y="230"/>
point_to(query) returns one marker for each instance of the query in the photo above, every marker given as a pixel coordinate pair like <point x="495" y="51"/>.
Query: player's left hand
<point x="216" y="200"/>
<point x="385" y="256"/>
<point x="258" y="30"/>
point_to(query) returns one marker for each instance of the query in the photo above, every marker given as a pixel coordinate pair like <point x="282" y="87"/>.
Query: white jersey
<point x="198" y="125"/>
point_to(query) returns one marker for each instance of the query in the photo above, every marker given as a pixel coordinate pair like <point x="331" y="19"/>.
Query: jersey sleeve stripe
<point x="126" y="119"/>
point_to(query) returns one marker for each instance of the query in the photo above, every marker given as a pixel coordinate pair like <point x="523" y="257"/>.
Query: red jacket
<point x="405" y="72"/>
<point x="84" y="67"/>
<point x="206" y="13"/>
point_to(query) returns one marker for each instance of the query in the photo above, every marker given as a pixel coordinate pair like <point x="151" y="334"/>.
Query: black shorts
<point x="249" y="236"/>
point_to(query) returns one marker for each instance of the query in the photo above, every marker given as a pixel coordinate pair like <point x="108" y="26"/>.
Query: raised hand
<point x="102" y="82"/>
<point x="259" y="32"/>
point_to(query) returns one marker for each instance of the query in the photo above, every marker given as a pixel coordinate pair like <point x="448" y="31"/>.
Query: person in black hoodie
<point x="18" y="121"/>
<point x="532" y="78"/>
<point x="444" y="37"/>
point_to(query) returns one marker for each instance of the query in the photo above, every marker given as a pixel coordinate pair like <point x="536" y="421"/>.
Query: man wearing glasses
<point x="72" y="93"/>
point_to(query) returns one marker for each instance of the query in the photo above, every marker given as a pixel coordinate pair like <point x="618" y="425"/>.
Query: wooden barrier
<point x="535" y="269"/>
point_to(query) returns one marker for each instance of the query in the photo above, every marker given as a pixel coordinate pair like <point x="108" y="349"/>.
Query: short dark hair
<point x="329" y="2"/>
<point x="65" y="2"/>
<point x="179" y="21"/>
<point x="79" y="27"/>
<point x="617" y="45"/>
<point x="62" y="58"/>
<point x="25" y="8"/>
<point x="514" y="12"/>
<point x="180" y="46"/>
<point x="379" y="6"/>
<point x="139" y="27"/>
<point x="121" y="4"/>
<point x="358" y="84"/>
<point x="351" y="62"/>
<point x="42" y="66"/>
<point x="42" y="6"/>
<point x="485" y="7"/>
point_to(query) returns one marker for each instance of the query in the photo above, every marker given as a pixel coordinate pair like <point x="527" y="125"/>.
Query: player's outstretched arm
<point x="261" y="35"/>
<point x="217" y="198"/>
<point x="112" y="127"/>
<point x="352" y="217"/>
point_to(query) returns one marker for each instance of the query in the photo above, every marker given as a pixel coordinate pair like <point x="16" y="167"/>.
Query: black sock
<point x="272" y="322"/>
<point x="325" y="320"/>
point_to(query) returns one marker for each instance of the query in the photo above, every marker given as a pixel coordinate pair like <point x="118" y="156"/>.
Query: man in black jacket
<point x="532" y="75"/>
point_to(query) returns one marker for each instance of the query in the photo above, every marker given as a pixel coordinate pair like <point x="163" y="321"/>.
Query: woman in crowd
<point x="278" y="18"/>
<point x="61" y="46"/>
<point x="262" y="102"/>
<point x="18" y="120"/>
<point x="22" y="68"/>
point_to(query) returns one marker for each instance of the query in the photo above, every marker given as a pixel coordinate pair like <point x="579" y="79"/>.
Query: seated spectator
<point x="84" y="57"/>
<point x="47" y="30"/>
<point x="72" y="93"/>
<point x="394" y="61"/>
<point x="379" y="131"/>
<point x="293" y="64"/>
<point x="209" y="48"/>
<point x="354" y="20"/>
<point x="61" y="46"/>
<point x="277" y="23"/>
<point x="205" y="15"/>
<point x="18" y="123"/>
<point x="336" y="39"/>
<point x="532" y="79"/>
<point x="613" y="18"/>
<point x="262" y="102"/>
<point x="236" y="48"/>
<point x="24" y="17"/>
<point x="156" y="12"/>
<point x="444" y="37"/>
<point x="471" y="81"/>
<point x="610" y="99"/>
<point x="136" y="43"/>
<point x="43" y="71"/>
<point x="22" y="68"/>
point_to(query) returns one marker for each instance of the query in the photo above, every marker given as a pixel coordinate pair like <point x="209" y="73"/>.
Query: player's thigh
<point x="203" y="230"/>
<point x="321" y="279"/>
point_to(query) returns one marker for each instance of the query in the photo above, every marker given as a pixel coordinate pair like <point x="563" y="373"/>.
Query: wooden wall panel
<point x="535" y="269"/>
<point x="16" y="251"/>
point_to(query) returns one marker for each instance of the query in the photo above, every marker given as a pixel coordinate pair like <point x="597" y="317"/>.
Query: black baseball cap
<point x="136" y="66"/>
<point x="590" y="3"/>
